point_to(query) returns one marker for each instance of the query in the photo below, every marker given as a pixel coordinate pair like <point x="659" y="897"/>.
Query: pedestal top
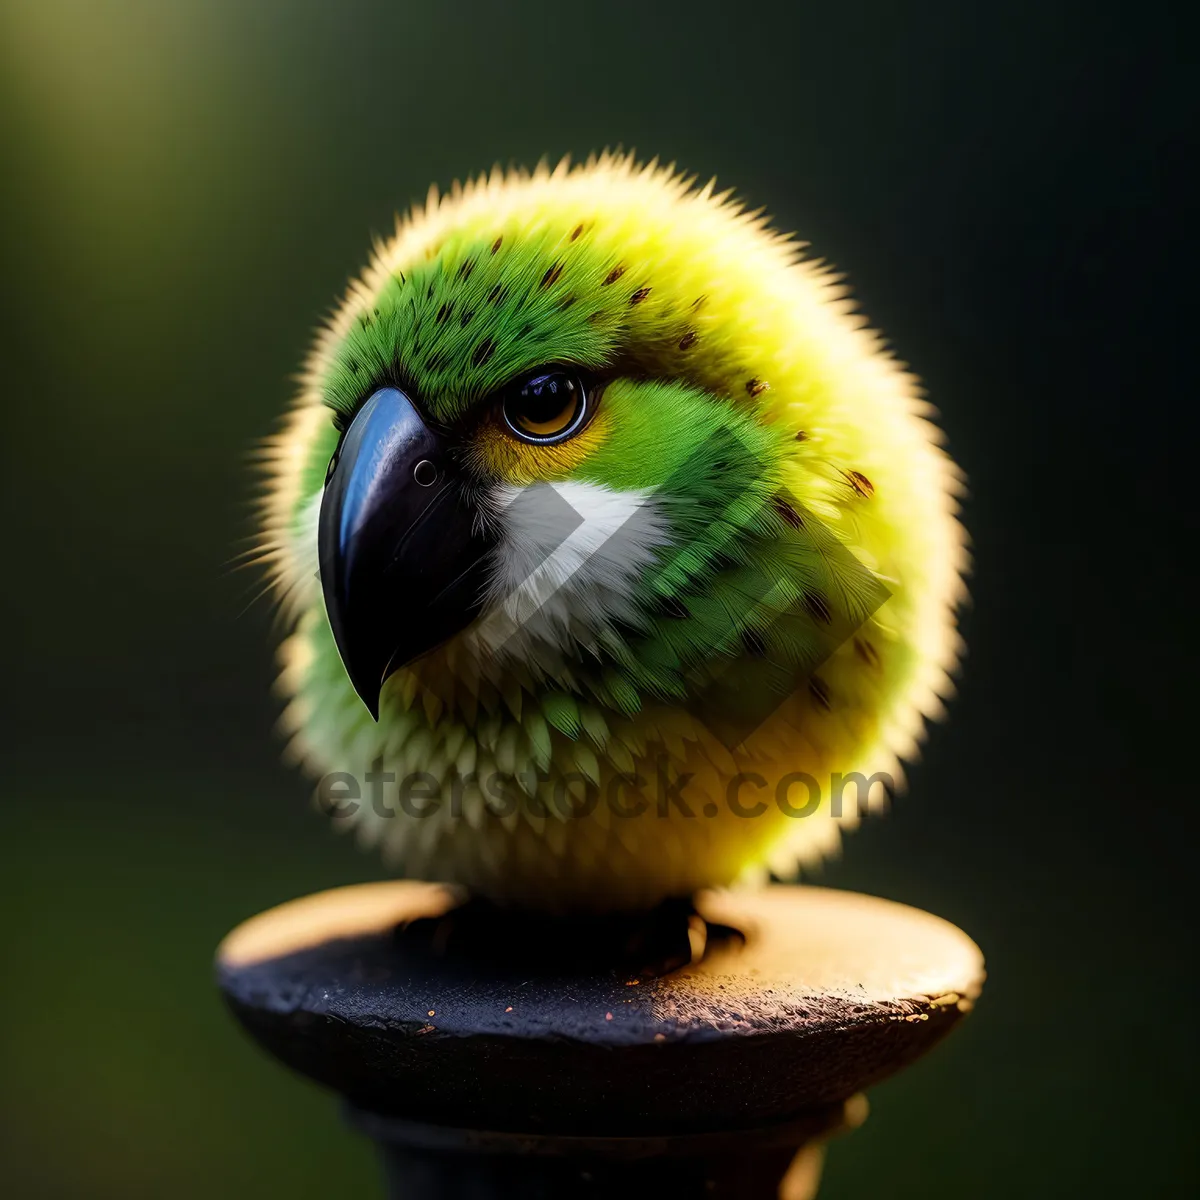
<point x="755" y="1009"/>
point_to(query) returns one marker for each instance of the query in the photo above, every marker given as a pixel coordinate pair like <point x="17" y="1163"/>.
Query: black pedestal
<point x="692" y="1052"/>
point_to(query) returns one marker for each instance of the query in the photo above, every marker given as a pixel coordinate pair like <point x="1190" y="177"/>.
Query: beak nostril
<point x="425" y="473"/>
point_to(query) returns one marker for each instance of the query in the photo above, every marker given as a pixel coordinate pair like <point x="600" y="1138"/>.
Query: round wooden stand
<point x="704" y="1050"/>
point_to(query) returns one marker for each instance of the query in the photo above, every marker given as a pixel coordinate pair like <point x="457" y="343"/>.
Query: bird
<point x="608" y="541"/>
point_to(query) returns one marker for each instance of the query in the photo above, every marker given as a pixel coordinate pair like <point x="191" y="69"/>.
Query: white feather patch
<point x="570" y="556"/>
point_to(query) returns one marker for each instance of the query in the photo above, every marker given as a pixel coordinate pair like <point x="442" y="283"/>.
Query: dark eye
<point x="548" y="406"/>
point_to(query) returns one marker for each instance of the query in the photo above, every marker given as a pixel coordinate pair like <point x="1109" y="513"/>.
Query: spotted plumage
<point x="756" y="506"/>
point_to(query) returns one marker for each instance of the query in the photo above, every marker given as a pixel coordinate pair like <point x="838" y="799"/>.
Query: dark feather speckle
<point x="861" y="484"/>
<point x="788" y="513"/>
<point x="754" y="644"/>
<point x="817" y="607"/>
<point x="867" y="652"/>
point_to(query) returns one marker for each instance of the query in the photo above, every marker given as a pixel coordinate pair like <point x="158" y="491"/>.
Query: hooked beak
<point x="403" y="566"/>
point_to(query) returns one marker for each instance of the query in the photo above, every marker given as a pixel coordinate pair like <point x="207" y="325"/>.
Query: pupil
<point x="546" y="397"/>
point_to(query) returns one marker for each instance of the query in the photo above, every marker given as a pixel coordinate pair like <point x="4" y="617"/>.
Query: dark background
<point x="184" y="189"/>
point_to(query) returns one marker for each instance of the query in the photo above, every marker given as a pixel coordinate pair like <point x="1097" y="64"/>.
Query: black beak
<point x="403" y="566"/>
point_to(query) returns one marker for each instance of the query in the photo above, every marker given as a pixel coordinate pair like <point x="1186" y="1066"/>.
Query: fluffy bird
<point x="610" y="544"/>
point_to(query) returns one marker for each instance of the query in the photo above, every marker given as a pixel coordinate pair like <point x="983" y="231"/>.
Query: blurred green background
<point x="184" y="188"/>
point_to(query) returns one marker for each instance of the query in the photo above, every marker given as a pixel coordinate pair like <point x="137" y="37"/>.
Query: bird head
<point x="595" y="475"/>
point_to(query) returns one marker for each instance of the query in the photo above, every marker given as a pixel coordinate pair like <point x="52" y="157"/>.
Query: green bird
<point x="611" y="544"/>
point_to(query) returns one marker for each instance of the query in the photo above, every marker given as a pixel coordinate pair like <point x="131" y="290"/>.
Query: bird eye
<point x="546" y="407"/>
